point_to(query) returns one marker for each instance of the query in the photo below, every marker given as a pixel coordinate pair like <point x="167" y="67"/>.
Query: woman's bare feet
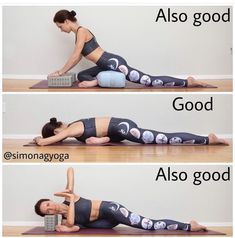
<point x="214" y="140"/>
<point x="63" y="228"/>
<point x="97" y="140"/>
<point x="192" y="82"/>
<point x="88" y="84"/>
<point x="197" y="227"/>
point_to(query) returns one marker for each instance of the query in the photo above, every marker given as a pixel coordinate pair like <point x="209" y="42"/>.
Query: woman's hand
<point x="66" y="194"/>
<point x="55" y="74"/>
<point x="38" y="140"/>
<point x="67" y="190"/>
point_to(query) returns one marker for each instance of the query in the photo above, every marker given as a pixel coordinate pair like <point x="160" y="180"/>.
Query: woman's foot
<point x="214" y="140"/>
<point x="97" y="140"/>
<point x="197" y="227"/>
<point x="88" y="84"/>
<point x="63" y="228"/>
<point x="192" y="82"/>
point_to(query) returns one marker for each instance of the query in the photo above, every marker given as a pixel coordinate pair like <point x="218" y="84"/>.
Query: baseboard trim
<point x="22" y="223"/>
<point x="19" y="136"/>
<point x="24" y="76"/>
<point x="42" y="76"/>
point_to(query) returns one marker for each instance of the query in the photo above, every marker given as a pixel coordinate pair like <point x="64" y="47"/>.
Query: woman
<point x="87" y="46"/>
<point x="80" y="212"/>
<point x="101" y="130"/>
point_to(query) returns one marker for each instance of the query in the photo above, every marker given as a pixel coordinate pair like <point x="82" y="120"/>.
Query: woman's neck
<point x="74" y="27"/>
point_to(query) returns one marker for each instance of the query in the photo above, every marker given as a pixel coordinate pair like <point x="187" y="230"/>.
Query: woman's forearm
<point x="46" y="141"/>
<point x="70" y="179"/>
<point x="70" y="214"/>
<point x="73" y="60"/>
<point x="52" y="139"/>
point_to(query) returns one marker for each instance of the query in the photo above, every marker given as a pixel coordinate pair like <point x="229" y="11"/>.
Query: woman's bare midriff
<point x="102" y="124"/>
<point x="95" y="55"/>
<point x="95" y="210"/>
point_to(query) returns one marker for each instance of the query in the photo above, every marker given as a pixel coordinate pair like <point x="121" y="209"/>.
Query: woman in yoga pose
<point x="78" y="212"/>
<point x="87" y="46"/>
<point x="101" y="130"/>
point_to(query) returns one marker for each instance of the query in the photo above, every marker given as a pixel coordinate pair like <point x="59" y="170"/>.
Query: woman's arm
<point x="71" y="213"/>
<point x="71" y="210"/>
<point x="52" y="139"/>
<point x="76" y="56"/>
<point x="70" y="180"/>
<point x="71" y="131"/>
<point x="64" y="228"/>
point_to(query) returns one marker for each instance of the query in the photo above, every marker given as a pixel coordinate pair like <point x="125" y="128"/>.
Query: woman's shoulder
<point x="82" y="30"/>
<point x="75" y="123"/>
<point x="85" y="31"/>
<point x="75" y="129"/>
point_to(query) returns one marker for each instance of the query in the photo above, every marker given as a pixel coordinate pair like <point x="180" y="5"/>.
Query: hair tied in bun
<point x="73" y="13"/>
<point x="53" y="120"/>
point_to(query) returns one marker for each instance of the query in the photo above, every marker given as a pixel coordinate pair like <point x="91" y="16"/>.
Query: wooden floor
<point x="21" y="85"/>
<point x="130" y="153"/>
<point x="17" y="230"/>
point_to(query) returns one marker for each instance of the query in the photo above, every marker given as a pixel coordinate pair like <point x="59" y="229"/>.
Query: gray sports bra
<point x="89" y="46"/>
<point x="82" y="211"/>
<point x="89" y="129"/>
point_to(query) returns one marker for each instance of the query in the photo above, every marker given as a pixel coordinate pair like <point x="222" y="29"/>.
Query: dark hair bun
<point x="73" y="13"/>
<point x="53" y="120"/>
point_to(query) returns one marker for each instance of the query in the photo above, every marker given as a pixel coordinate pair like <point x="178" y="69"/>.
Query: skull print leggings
<point x="111" y="214"/>
<point x="120" y="129"/>
<point x="114" y="62"/>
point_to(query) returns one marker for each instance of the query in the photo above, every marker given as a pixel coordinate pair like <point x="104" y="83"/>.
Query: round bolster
<point x="111" y="79"/>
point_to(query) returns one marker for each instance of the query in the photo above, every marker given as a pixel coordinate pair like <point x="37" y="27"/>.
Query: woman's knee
<point x="80" y="76"/>
<point x="84" y="77"/>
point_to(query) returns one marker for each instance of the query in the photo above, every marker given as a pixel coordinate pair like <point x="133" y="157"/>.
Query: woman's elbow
<point x="76" y="58"/>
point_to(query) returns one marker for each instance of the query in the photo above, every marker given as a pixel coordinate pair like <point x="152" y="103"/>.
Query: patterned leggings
<point x="112" y="214"/>
<point x="114" y="62"/>
<point x="121" y="129"/>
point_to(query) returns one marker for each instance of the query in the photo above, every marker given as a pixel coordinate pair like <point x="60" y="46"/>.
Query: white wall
<point x="26" y="114"/>
<point x="131" y="185"/>
<point x="32" y="45"/>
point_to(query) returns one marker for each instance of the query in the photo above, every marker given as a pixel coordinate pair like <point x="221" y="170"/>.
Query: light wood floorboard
<point x="130" y="153"/>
